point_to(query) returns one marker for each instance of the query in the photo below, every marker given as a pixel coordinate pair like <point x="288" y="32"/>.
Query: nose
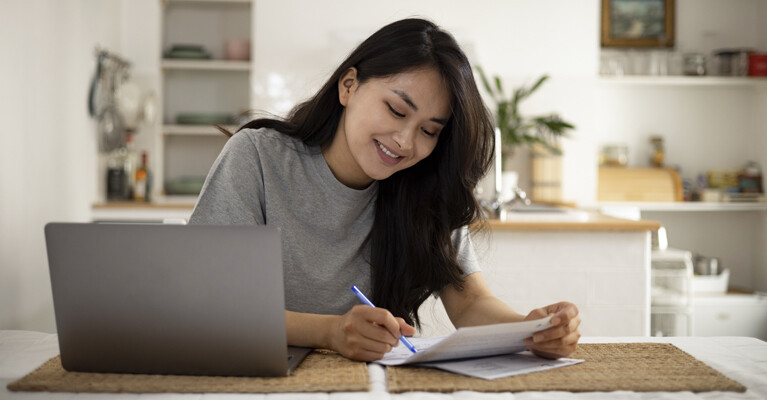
<point x="404" y="139"/>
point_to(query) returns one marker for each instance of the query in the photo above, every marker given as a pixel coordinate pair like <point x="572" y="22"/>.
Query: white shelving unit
<point x="709" y="123"/>
<point x="199" y="86"/>
<point x="206" y="65"/>
<point x="639" y="80"/>
<point x="687" y="206"/>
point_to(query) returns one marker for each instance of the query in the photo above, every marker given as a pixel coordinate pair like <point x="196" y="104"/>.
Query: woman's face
<point x="388" y="124"/>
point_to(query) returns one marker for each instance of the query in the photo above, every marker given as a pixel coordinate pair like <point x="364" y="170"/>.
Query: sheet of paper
<point x="495" y="367"/>
<point x="471" y="342"/>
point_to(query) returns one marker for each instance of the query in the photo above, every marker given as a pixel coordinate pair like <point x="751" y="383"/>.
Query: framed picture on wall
<point x="637" y="23"/>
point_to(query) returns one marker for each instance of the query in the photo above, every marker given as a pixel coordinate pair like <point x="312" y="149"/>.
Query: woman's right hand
<point x="367" y="333"/>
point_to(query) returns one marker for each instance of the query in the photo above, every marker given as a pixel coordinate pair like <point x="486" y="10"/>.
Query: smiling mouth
<point x="386" y="151"/>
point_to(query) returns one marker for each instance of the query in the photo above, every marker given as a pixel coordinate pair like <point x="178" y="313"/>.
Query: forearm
<point x="485" y="310"/>
<point x="309" y="330"/>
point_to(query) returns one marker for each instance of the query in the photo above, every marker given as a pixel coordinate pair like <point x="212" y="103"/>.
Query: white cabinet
<point x="731" y="315"/>
<point x="200" y="88"/>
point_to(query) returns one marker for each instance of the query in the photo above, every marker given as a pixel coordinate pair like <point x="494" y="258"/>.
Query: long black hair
<point x="417" y="209"/>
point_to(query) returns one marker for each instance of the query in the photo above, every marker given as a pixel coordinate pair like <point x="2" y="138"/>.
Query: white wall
<point x="47" y="143"/>
<point x="302" y="41"/>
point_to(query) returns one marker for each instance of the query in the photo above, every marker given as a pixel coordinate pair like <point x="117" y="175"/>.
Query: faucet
<point x="498" y="206"/>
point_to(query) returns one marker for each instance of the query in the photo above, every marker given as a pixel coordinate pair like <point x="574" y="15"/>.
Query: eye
<point x="432" y="134"/>
<point x="395" y="112"/>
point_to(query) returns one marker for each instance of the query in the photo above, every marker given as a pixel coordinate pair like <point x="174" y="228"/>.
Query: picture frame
<point x="638" y="23"/>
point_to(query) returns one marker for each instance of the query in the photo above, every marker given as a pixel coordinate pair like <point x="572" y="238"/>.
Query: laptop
<point x="170" y="299"/>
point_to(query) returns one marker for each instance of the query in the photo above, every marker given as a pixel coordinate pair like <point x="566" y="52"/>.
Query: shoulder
<point x="265" y="138"/>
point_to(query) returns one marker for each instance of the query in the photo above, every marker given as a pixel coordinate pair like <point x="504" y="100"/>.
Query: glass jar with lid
<point x="614" y="155"/>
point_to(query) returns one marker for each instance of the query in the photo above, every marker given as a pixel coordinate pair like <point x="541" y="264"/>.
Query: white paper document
<point x="495" y="367"/>
<point x="482" y="351"/>
<point x="471" y="342"/>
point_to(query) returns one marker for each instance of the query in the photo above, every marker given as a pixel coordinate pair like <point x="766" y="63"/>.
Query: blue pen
<point x="368" y="302"/>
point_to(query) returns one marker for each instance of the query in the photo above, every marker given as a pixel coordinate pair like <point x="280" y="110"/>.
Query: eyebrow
<point x="412" y="105"/>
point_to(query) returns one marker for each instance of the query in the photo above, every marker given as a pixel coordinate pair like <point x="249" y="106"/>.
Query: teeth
<point x="386" y="151"/>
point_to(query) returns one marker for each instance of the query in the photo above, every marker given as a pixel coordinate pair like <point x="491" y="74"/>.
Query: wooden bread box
<point x="638" y="184"/>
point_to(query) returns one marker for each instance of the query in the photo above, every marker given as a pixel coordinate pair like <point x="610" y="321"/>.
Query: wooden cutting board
<point x="638" y="184"/>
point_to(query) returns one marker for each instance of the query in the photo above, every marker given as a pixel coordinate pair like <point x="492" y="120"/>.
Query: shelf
<point x="686" y="206"/>
<point x="210" y="1"/>
<point x="714" y="81"/>
<point x="206" y="65"/>
<point x="196" y="130"/>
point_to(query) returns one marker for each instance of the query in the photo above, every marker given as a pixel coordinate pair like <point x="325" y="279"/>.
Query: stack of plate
<point x="188" y="51"/>
<point x="204" y="118"/>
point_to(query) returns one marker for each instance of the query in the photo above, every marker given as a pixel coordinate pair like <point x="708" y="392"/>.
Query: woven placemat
<point x="321" y="371"/>
<point x="638" y="367"/>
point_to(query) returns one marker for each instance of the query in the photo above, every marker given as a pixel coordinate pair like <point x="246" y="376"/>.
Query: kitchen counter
<point x="181" y="207"/>
<point x="592" y="221"/>
<point x="158" y="210"/>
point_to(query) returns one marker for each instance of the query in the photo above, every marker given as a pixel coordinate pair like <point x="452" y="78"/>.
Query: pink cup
<point x="237" y="49"/>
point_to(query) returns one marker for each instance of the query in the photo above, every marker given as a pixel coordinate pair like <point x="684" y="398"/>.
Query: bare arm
<point x="364" y="333"/>
<point x="476" y="305"/>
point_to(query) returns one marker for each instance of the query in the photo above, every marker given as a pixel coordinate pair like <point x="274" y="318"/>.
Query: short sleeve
<point x="233" y="193"/>
<point x="465" y="252"/>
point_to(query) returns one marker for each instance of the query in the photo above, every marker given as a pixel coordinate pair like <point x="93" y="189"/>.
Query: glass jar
<point x="657" y="151"/>
<point x="614" y="155"/>
<point x="694" y="64"/>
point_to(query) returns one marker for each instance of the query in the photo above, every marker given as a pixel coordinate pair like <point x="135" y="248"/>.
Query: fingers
<point x="404" y="328"/>
<point x="561" y="339"/>
<point x="563" y="312"/>
<point x="367" y="333"/>
<point x="538" y="313"/>
<point x="379" y="325"/>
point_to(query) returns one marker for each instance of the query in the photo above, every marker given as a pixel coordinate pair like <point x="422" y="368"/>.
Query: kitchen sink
<point x="544" y="213"/>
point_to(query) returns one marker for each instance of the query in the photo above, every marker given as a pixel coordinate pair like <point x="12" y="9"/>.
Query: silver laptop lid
<point x="169" y="299"/>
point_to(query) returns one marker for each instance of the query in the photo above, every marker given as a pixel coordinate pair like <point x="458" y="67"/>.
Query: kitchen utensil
<point x="707" y="265"/>
<point x="128" y="98"/>
<point x="204" y="118"/>
<point x="111" y="129"/>
<point x="95" y="86"/>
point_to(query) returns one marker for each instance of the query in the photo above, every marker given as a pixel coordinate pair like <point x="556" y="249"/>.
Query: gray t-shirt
<point x="267" y="178"/>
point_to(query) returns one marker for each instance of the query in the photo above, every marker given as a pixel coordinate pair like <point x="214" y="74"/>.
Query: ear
<point x="346" y="85"/>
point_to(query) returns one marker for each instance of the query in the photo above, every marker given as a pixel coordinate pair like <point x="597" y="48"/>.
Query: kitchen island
<point x="600" y="263"/>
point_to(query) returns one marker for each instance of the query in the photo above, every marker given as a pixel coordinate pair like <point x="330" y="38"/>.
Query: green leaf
<point x="485" y="83"/>
<point x="498" y="85"/>
<point x="538" y="84"/>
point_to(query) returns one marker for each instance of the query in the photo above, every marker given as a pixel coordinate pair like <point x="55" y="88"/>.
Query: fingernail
<point x="554" y="320"/>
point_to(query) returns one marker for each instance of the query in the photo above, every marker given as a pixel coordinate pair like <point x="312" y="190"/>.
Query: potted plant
<point x="518" y="131"/>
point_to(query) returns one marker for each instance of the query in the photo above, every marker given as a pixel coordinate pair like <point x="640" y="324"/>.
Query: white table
<point x="740" y="358"/>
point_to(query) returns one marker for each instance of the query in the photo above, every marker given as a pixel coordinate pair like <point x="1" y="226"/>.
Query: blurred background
<point x="83" y="80"/>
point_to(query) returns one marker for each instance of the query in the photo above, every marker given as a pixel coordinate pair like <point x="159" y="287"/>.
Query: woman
<point x="371" y="181"/>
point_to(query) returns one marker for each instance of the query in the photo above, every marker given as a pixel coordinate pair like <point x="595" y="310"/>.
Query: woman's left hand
<point x="562" y="338"/>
